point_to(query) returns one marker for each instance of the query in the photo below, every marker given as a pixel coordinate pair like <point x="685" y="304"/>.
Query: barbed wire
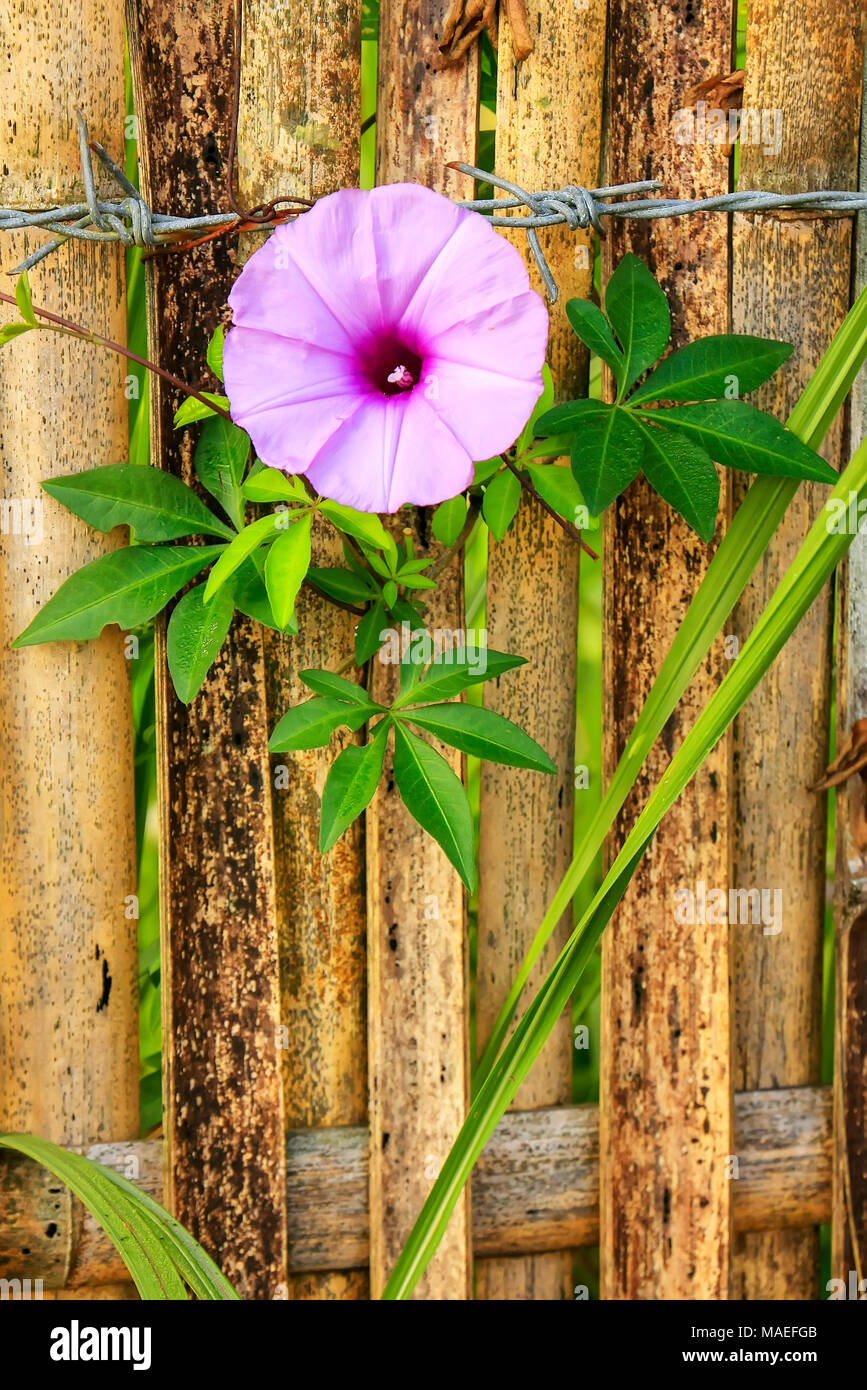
<point x="132" y="222"/>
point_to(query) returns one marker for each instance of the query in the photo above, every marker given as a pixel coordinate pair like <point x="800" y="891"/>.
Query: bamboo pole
<point x="790" y="280"/>
<point x="849" y="1214"/>
<point x="417" y="966"/>
<point x="301" y="103"/>
<point x="68" y="960"/>
<point x="224" y="1125"/>
<point x="535" y="1189"/>
<point x="665" y="1087"/>
<point x="545" y="139"/>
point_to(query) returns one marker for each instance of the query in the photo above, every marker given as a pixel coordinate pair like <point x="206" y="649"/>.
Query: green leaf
<point x="367" y="638"/>
<point x="285" y="567"/>
<point x="267" y="528"/>
<point x="163" y="1259"/>
<point x="220" y="459"/>
<point x="13" y="330"/>
<point x="684" y="475"/>
<point x="327" y="683"/>
<point x="449" y="675"/>
<point x="435" y="797"/>
<point x="556" y="485"/>
<point x="311" y="724"/>
<point x="362" y="526"/>
<point x="196" y="632"/>
<point x="593" y="329"/>
<point x="192" y="409"/>
<point x="607" y="453"/>
<point x="158" y="506"/>
<point x="448" y="520"/>
<point x="486" y="469"/>
<point x="127" y="587"/>
<point x="545" y="401"/>
<point x="214" y="354"/>
<point x="703" y="370"/>
<point x="500" y="503"/>
<point x="638" y="312"/>
<point x="554" y="447"/>
<point x="272" y="485"/>
<point x="482" y="733"/>
<point x="24" y="300"/>
<point x="345" y="585"/>
<point x="350" y="786"/>
<point x="251" y="597"/>
<point x="739" y="436"/>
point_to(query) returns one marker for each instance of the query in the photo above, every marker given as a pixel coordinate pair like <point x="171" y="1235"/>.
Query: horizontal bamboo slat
<point x="536" y="1188"/>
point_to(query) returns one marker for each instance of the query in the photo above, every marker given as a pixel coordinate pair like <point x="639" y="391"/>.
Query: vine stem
<point x="85" y="335"/>
<point x="560" y="520"/>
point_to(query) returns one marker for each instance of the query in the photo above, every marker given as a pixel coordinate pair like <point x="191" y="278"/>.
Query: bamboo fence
<point x="301" y="1168"/>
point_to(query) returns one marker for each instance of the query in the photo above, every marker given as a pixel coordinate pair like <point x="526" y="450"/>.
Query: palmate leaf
<point x="250" y="596"/>
<point x="448" y="520"/>
<point x="804" y="579"/>
<point x="195" y="634"/>
<point x="607" y="453"/>
<point x="684" y="475"/>
<point x="483" y="733"/>
<point x="158" y="506"/>
<point x="740" y="550"/>
<point x="703" y="370"/>
<point x="272" y="485"/>
<point x="367" y="633"/>
<point x="638" y="312"/>
<point x="127" y="587"/>
<point x="267" y="528"/>
<point x="556" y="485"/>
<point x="350" y="786"/>
<point x="434" y="796"/>
<point x="327" y="683"/>
<point x="192" y="409"/>
<point x="162" y="1257"/>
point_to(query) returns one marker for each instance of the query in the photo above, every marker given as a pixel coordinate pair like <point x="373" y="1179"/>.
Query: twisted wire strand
<point x="132" y="222"/>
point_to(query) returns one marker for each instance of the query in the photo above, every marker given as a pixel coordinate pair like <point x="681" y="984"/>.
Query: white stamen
<point x="401" y="376"/>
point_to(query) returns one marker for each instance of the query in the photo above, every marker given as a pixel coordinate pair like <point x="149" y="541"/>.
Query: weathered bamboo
<point x="665" y="1088"/>
<point x="301" y="105"/>
<point x="849" y="1214"/>
<point x="417" y="965"/>
<point x="790" y="280"/>
<point x="545" y="139"/>
<point x="220" y="964"/>
<point x="536" y="1188"/>
<point x="68" y="961"/>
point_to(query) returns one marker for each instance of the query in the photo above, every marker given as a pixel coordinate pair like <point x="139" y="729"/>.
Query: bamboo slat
<point x="301" y="104"/>
<point x="790" y="280"/>
<point x="219" y="946"/>
<point x="545" y="139"/>
<point x="536" y="1189"/>
<point x="665" y="1087"/>
<point x="849" y="1216"/>
<point x="417" y="966"/>
<point x="68" y="961"/>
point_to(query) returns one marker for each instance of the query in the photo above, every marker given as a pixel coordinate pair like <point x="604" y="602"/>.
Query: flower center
<point x="391" y="366"/>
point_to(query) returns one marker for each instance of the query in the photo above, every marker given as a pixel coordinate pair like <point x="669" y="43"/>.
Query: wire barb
<point x="132" y="222"/>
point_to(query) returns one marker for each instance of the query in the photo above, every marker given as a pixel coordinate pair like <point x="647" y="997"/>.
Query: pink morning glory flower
<point x="382" y="343"/>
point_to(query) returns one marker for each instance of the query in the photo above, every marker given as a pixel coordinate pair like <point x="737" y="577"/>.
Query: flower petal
<point x="476" y="269"/>
<point x="290" y="397"/>
<point x="483" y="376"/>
<point x="393" y="450"/>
